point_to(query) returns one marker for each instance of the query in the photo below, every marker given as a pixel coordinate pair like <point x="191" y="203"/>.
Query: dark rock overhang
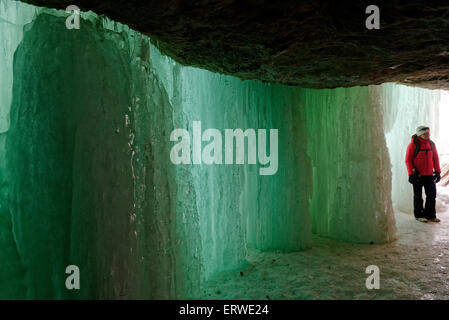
<point x="311" y="44"/>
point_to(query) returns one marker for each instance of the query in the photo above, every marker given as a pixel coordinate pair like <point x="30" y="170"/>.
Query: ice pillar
<point x="351" y="167"/>
<point x="87" y="172"/>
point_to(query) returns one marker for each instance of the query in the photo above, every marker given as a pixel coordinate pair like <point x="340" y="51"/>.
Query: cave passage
<point x="86" y="177"/>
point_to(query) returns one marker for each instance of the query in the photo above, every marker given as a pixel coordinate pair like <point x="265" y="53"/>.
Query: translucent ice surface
<point x="351" y="168"/>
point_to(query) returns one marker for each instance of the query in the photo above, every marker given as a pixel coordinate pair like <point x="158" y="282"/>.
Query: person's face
<point x="426" y="135"/>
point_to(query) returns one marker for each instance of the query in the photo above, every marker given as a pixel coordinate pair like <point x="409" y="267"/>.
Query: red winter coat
<point x="425" y="162"/>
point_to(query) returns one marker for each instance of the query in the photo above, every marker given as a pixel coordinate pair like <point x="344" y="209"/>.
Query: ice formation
<point x="351" y="168"/>
<point x="86" y="177"/>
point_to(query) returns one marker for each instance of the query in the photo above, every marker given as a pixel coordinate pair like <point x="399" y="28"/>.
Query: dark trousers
<point x="428" y="211"/>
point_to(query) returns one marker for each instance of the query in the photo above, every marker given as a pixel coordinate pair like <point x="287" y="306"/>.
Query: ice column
<point x="87" y="163"/>
<point x="351" y="168"/>
<point x="13" y="16"/>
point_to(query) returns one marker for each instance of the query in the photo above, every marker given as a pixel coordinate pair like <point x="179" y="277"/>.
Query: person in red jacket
<point x="423" y="167"/>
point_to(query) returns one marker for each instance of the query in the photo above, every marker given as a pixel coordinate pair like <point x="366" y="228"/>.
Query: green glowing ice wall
<point x="86" y="176"/>
<point x="351" y="168"/>
<point x="238" y="207"/>
<point x="86" y="167"/>
<point x="13" y="16"/>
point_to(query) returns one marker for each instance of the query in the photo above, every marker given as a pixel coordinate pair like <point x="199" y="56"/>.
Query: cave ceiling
<point x="311" y="44"/>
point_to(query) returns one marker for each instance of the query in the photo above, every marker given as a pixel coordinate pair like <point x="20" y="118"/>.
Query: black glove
<point x="413" y="178"/>
<point x="437" y="177"/>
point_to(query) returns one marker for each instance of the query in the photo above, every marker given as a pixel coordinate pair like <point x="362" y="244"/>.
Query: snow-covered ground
<point x="415" y="266"/>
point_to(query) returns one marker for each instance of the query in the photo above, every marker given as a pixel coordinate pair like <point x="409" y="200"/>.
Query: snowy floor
<point x="416" y="266"/>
